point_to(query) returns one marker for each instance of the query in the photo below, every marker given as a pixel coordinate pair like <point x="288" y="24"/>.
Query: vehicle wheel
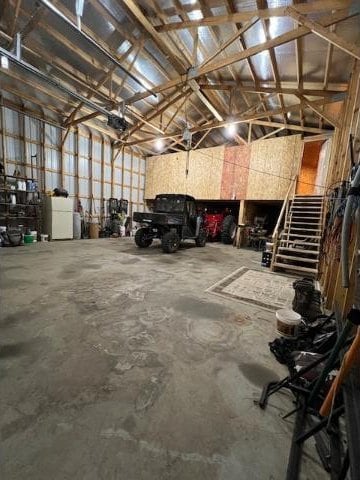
<point x="170" y="242"/>
<point x="141" y="238"/>
<point x="200" y="241"/>
<point x="228" y="230"/>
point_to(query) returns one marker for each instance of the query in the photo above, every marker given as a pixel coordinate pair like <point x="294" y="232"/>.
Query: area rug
<point x="265" y="289"/>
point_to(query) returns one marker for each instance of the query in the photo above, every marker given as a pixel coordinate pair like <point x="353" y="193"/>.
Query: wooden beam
<point x="313" y="7"/>
<point x="295" y="128"/>
<point x="176" y="111"/>
<point x="249" y="132"/>
<point x="299" y="66"/>
<point x="2" y="122"/>
<point x="83" y="119"/>
<point x="329" y="54"/>
<point x="271" y="51"/>
<point x="70" y="118"/>
<point x="202" y="138"/>
<point x="162" y="107"/>
<point x="156" y="37"/>
<point x="317" y="138"/>
<point x="169" y="52"/>
<point x="246" y="119"/>
<point x="318" y="111"/>
<point x="291" y="91"/>
<point x="322" y="32"/>
<point x="231" y="40"/>
<point x="16" y="14"/>
<point x="41" y="55"/>
<point x="229" y="60"/>
<point x="117" y="93"/>
<point x="231" y="5"/>
<point x="195" y="87"/>
<point x="240" y="118"/>
<point x="274" y="132"/>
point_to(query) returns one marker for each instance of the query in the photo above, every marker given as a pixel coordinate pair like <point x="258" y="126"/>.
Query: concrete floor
<point x="115" y="364"/>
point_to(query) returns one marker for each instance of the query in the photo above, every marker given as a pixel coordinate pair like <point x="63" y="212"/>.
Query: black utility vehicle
<point x="174" y="218"/>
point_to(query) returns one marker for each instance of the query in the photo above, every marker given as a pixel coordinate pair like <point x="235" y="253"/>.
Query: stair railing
<point x="283" y="212"/>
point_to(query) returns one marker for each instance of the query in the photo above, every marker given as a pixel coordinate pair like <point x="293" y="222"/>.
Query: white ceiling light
<point x="159" y="144"/>
<point x="4" y="62"/>
<point x="231" y="129"/>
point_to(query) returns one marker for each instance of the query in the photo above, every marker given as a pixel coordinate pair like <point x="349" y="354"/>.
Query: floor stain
<point x="151" y="391"/>
<point x="194" y="307"/>
<point x="258" y="374"/>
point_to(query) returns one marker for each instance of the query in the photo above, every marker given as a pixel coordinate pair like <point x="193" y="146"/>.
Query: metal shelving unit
<point x="26" y="211"/>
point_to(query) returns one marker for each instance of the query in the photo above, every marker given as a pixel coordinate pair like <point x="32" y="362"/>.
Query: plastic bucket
<point x="28" y="239"/>
<point x="287" y="323"/>
<point x="44" y="237"/>
<point x="34" y="234"/>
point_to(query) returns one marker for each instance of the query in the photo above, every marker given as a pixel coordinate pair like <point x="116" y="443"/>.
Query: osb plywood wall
<point x="309" y="166"/>
<point x="272" y="163"/>
<point x="261" y="171"/>
<point x="235" y="172"/>
<point x="167" y="173"/>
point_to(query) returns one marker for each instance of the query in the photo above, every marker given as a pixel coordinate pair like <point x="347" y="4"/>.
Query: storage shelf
<point x="20" y="204"/>
<point x="12" y="190"/>
<point x="16" y="216"/>
<point x="17" y="177"/>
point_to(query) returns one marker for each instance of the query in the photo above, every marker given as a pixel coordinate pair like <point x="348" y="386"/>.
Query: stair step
<point x="302" y="223"/>
<point x="298" y="259"/>
<point x="302" y="208"/>
<point x="308" y="196"/>
<point x="302" y="202"/>
<point x="297" y="217"/>
<point x="295" y="267"/>
<point x="300" y="235"/>
<point x="302" y="229"/>
<point x="299" y="250"/>
<point x="308" y="210"/>
<point x="301" y="242"/>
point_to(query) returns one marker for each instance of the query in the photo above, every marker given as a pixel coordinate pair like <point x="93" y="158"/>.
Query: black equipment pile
<point x="313" y="359"/>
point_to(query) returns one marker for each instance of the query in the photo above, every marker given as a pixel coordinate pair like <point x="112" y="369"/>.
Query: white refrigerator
<point x="58" y="217"/>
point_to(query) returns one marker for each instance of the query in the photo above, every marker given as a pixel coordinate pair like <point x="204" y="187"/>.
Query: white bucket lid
<point x="288" y="316"/>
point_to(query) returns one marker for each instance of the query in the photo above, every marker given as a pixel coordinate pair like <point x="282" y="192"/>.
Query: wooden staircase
<point x="298" y="245"/>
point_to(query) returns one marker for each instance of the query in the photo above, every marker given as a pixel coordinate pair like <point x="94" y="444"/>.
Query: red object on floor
<point x="213" y="223"/>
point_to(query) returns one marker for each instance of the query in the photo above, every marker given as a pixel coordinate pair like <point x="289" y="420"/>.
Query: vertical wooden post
<point x="122" y="170"/>
<point x="42" y="175"/>
<point x="90" y="160"/>
<point x="339" y="170"/>
<point x="76" y="157"/>
<point x="112" y="169"/>
<point x="62" y="173"/>
<point x="241" y="220"/>
<point x="131" y="181"/>
<point x="3" y="143"/>
<point x="102" y="176"/>
<point x="23" y="135"/>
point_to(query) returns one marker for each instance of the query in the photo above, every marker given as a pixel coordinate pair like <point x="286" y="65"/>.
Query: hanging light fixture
<point x="159" y="144"/>
<point x="4" y="62"/>
<point x="231" y="129"/>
